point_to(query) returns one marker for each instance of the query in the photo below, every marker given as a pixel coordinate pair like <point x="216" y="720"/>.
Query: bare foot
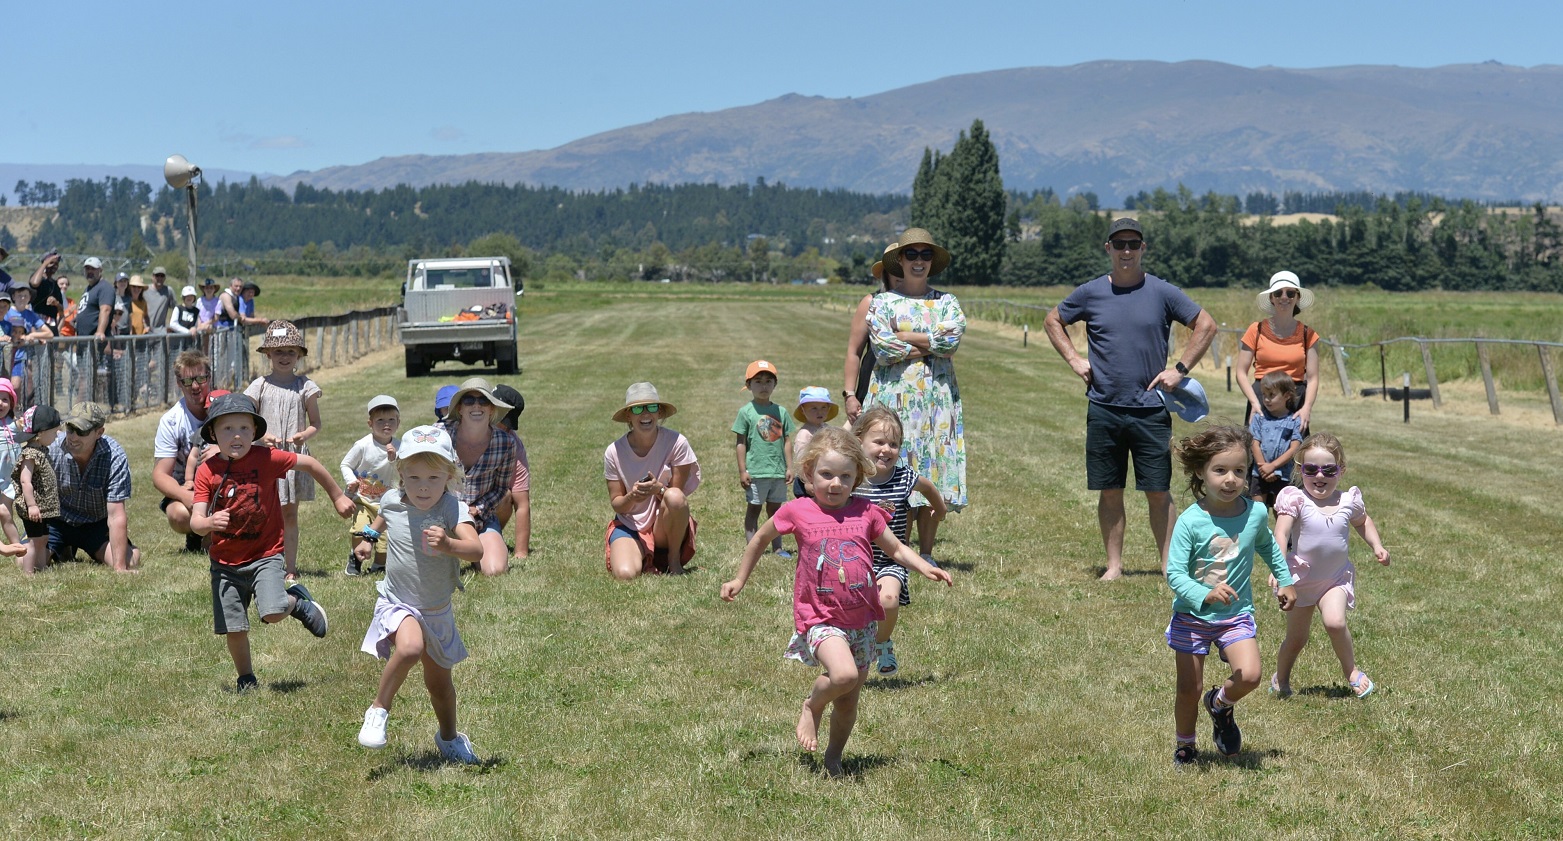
<point x="808" y="728"/>
<point x="1112" y="574"/>
<point x="832" y="765"/>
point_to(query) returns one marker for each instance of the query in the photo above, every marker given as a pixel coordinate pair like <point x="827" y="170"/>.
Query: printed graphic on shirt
<point x="768" y="428"/>
<point x="1221" y="550"/>
<point x="238" y="493"/>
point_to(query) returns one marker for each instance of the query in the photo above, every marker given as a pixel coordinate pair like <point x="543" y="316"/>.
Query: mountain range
<point x="1483" y="131"/>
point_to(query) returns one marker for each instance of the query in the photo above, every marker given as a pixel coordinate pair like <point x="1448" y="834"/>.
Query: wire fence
<point x="1518" y="362"/>
<point x="132" y="374"/>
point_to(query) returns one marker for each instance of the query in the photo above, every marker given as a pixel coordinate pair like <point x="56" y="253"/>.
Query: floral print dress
<point x="922" y="390"/>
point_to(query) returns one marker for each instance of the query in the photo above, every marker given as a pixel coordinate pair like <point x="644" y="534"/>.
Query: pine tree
<point x="972" y="217"/>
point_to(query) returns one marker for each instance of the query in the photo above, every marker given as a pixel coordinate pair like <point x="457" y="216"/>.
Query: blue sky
<point x="282" y="86"/>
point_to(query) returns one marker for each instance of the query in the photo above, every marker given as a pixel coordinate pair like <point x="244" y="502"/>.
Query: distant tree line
<point x="774" y="232"/>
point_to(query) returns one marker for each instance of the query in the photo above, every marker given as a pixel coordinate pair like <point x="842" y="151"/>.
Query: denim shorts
<point x="1112" y="433"/>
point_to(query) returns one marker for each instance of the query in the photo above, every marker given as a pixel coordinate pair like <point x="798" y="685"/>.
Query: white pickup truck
<point x="459" y="309"/>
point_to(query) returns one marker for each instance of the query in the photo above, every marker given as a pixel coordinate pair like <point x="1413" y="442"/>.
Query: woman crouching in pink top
<point x="651" y="472"/>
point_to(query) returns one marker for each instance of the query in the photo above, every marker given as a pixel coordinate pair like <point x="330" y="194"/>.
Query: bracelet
<point x="370" y="534"/>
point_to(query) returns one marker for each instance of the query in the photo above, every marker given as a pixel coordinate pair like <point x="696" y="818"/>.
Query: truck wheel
<point x="507" y="363"/>
<point x="416" y="367"/>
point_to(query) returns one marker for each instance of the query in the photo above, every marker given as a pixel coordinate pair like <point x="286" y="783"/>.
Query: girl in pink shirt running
<point x="835" y="604"/>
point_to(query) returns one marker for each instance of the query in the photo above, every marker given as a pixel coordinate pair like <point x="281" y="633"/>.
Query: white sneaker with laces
<point x="372" y="734"/>
<point x="458" y="749"/>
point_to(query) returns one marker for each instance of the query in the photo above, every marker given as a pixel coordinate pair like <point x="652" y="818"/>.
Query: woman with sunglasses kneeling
<point x="1281" y="343"/>
<point x="487" y="452"/>
<point x="651" y="472"/>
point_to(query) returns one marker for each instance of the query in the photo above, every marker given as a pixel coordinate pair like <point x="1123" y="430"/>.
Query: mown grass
<point x="1033" y="701"/>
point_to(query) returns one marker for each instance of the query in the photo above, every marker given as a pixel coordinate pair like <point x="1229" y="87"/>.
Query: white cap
<point x="188" y="290"/>
<point x="383" y="400"/>
<point x="432" y="439"/>
<point x="92" y="263"/>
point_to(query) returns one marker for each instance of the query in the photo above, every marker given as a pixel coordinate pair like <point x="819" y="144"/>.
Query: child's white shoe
<point x="372" y="734"/>
<point x="458" y="749"/>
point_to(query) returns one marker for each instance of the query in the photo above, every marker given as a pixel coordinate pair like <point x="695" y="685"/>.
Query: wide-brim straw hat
<point x="281" y="333"/>
<point x="1284" y="280"/>
<point x="478" y="385"/>
<point x="878" y="269"/>
<point x="909" y="238"/>
<point x="639" y="394"/>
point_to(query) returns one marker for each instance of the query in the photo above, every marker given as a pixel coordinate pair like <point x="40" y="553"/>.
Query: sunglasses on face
<point x="925" y="254"/>
<point x="1316" y="469"/>
<point x="475" y="400"/>
<point x="646" y="409"/>
<point x="1126" y="244"/>
<point x="190" y="381"/>
<point x="1284" y="293"/>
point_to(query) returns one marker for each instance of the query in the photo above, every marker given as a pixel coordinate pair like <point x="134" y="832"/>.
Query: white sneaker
<point x="372" y="734"/>
<point x="458" y="749"/>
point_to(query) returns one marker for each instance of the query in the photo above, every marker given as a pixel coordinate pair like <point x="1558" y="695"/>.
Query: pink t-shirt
<point x="619" y="462"/>
<point x="834" y="584"/>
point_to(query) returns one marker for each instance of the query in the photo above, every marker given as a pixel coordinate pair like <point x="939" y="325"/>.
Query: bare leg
<point x="496" y="555"/>
<point x="841" y="676"/>
<point x="1163" y="517"/>
<point x="442" y="695"/>
<point x="751" y="522"/>
<point x="1110" y="517"/>
<point x="1191" y="682"/>
<point x="1299" y="623"/>
<point x="290" y="539"/>
<point x="239" y="650"/>
<point x="624" y="559"/>
<point x="927" y="528"/>
<point x="1244" y="657"/>
<point x="407" y="650"/>
<point x="671" y="528"/>
<point x="1332" y="610"/>
<point x="770" y="511"/>
<point x="843" y="715"/>
<point x="890" y="600"/>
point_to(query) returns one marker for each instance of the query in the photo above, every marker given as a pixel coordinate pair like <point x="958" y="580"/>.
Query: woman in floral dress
<point x="915" y="331"/>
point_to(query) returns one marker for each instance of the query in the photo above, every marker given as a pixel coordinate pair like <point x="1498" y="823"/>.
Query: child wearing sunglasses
<point x="651" y="472"/>
<point x="1317" y="517"/>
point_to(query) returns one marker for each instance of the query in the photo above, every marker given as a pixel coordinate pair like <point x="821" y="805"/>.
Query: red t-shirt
<point x="834" y="584"/>
<point x="247" y="490"/>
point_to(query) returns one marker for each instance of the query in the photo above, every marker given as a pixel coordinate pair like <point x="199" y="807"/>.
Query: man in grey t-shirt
<point x="160" y="301"/>
<point x="1128" y="316"/>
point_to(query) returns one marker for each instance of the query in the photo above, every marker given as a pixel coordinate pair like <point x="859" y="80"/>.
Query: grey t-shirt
<point x="414" y="577"/>
<point x="1126" y="331"/>
<point x="100" y="294"/>
<point x="159" y="303"/>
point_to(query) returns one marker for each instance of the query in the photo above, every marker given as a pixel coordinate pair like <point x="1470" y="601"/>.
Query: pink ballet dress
<point x="1319" y="561"/>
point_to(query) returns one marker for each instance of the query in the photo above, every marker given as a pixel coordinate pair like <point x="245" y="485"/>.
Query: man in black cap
<point x="1128" y="316"/>
<point x="93" y="474"/>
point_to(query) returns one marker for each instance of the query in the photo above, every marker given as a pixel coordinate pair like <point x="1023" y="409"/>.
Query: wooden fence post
<point x="1552" y="383"/>
<point x="1486" y="363"/>
<point x="1432" y="375"/>
<point x="1340" y="367"/>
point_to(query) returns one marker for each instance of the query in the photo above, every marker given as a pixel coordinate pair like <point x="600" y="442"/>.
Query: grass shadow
<point x="958" y="566"/>
<point x="1327" y="692"/>
<point x="898" y="682"/>
<point x="852" y="765"/>
<point x="1098" y="571"/>
<point x="1247" y="760"/>
<point x="428" y="760"/>
<point x="286" y="687"/>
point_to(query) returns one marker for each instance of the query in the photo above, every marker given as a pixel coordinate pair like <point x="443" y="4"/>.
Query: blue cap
<point x="443" y="396"/>
<point x="1187" y="400"/>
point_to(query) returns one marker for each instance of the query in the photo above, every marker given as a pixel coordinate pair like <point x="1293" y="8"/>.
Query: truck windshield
<point x="459" y="278"/>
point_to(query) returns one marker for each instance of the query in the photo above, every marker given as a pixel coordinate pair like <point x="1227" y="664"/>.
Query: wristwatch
<point x="845" y="394"/>
<point x="1181" y="368"/>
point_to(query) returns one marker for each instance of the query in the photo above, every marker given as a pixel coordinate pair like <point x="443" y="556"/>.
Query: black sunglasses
<point x="913" y="254"/>
<point x="1126" y="244"/>
<point x="1284" y="293"/>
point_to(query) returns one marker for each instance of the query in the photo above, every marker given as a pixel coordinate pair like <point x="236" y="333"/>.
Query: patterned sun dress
<point x="283" y="409"/>
<point x="922" y="391"/>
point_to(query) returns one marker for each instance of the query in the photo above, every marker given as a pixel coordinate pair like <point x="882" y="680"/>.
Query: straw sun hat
<point x="639" y="394"/>
<point x="917" y="236"/>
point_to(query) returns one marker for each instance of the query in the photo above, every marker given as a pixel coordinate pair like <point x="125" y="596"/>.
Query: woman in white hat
<point x="1281" y="343"/>
<point x="487" y="452"/>
<point x="651" y="471"/>
<point x="916" y="330"/>
<point x="859" y="368"/>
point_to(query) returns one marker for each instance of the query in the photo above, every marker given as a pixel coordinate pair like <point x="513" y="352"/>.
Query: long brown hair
<point x="1196" y="451"/>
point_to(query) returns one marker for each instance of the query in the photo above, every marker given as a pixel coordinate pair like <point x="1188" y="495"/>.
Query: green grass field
<point x="1033" y="700"/>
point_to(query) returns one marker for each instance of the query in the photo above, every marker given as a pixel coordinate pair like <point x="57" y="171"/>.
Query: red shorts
<point x="650" y="560"/>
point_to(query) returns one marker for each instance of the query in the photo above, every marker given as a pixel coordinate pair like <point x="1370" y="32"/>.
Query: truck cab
<point x="461" y="310"/>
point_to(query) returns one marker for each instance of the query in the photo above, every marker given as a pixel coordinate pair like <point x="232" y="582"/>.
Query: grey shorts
<point x="768" y="490"/>
<point x="234" y="586"/>
<point x="1113" y="433"/>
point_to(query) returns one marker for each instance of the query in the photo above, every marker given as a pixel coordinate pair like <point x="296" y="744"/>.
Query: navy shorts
<point x="1112" y="433"/>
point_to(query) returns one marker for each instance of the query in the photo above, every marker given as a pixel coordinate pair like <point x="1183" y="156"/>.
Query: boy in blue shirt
<point x="1277" y="436"/>
<point x="764" y="459"/>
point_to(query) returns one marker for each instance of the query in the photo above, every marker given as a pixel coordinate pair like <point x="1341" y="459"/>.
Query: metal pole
<point x="1383" y="378"/>
<point x="1405" y="397"/>
<point x="190" y="196"/>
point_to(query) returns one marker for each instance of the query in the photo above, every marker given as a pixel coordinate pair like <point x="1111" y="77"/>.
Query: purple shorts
<point x="1194" y="636"/>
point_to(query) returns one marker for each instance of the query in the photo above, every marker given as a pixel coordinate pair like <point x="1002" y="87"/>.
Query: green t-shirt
<point x="765" y="430"/>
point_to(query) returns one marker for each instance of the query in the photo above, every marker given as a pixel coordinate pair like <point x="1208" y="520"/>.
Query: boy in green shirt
<point x="764" y="459"/>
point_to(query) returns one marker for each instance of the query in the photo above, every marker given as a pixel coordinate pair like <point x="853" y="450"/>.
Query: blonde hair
<point x="431" y="461"/>
<point x="878" y="416"/>
<point x="834" y="439"/>
<point x="1196" y="451"/>
<point x="1323" y="441"/>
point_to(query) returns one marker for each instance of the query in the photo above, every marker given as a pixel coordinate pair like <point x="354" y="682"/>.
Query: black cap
<point x="514" y="398"/>
<point x="37" y="419"/>
<point x="250" y="284"/>
<point x="1124" y="224"/>
<point x="231" y="404"/>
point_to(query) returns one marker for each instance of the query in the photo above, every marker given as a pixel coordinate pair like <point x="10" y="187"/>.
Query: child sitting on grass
<point x="1210" y="570"/>
<point x="236" y="503"/>
<point x="834" y="602"/>
<point x="428" y="532"/>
